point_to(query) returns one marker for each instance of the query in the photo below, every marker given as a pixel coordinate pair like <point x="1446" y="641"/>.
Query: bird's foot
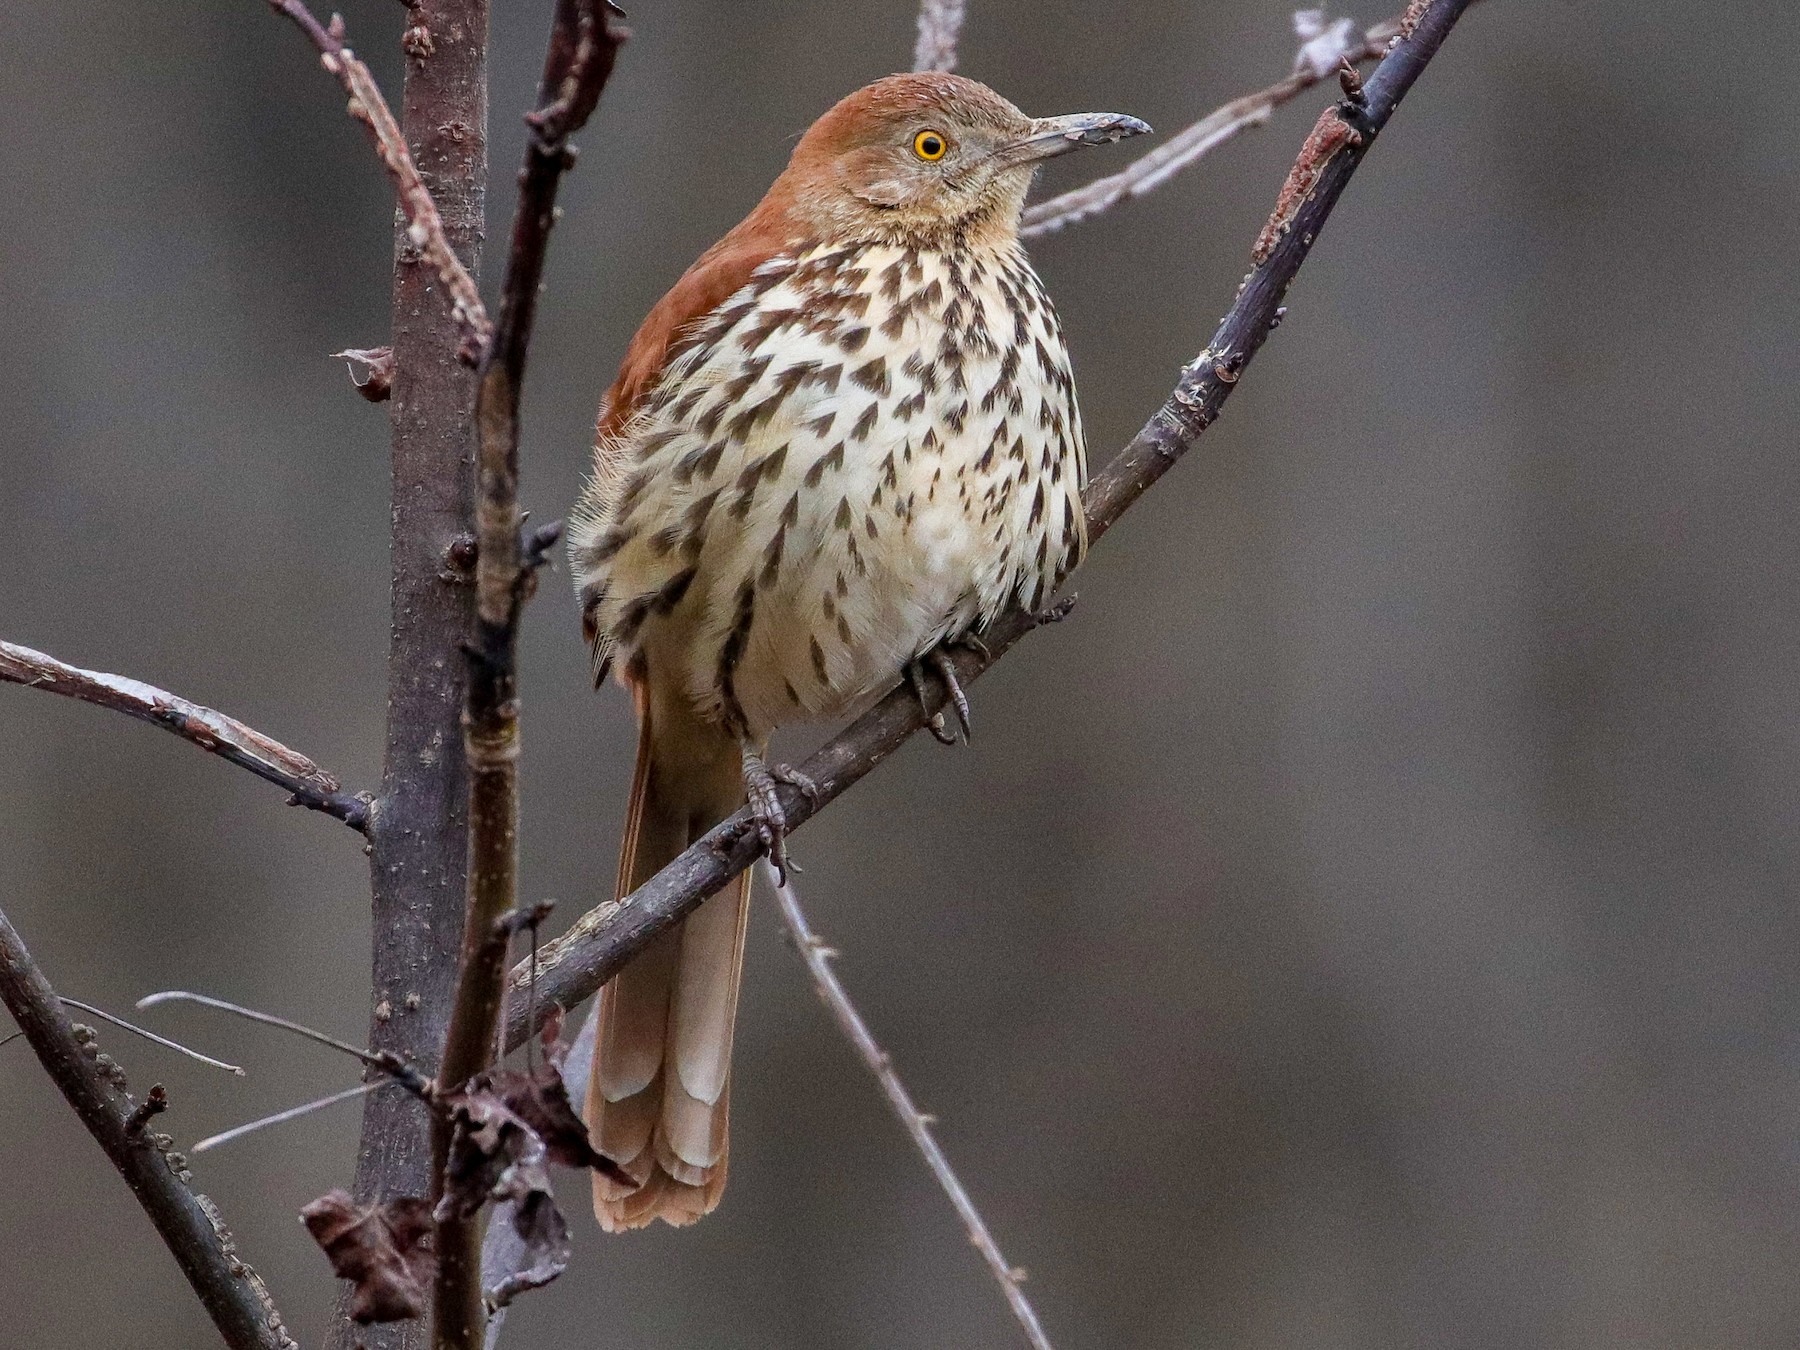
<point x="768" y="819"/>
<point x="938" y="658"/>
<point x="934" y="721"/>
<point x="946" y="669"/>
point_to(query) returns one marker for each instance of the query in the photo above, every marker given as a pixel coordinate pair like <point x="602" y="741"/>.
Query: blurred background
<point x="1368" y="922"/>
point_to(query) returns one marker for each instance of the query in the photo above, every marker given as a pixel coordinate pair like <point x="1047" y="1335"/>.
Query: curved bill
<point x="1052" y="136"/>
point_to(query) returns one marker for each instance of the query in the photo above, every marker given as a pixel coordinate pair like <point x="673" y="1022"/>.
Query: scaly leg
<point x="760" y="780"/>
<point x="946" y="669"/>
<point x="915" y="676"/>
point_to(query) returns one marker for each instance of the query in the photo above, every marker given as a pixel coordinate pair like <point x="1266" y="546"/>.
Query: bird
<point x="844" y="441"/>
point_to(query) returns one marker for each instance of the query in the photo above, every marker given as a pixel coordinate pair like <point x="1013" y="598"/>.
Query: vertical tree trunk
<point x="419" y="832"/>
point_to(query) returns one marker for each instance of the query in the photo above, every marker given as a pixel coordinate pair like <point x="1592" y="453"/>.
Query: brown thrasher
<point x="846" y="437"/>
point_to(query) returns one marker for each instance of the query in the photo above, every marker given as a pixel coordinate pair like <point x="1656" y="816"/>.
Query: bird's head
<point x="929" y="157"/>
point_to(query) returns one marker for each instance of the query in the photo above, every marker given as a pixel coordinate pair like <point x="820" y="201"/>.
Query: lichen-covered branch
<point x="189" y="1224"/>
<point x="603" y="940"/>
<point x="212" y="731"/>
<point x="940" y="25"/>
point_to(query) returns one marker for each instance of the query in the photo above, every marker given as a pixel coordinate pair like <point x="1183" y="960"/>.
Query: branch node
<point x="153" y="1105"/>
<point x="417" y="42"/>
<point x="459" y="560"/>
<point x="378" y="386"/>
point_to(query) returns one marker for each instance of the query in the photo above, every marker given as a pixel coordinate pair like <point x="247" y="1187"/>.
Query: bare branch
<point x="390" y="1064"/>
<point x="940" y="25"/>
<point x="424" y="227"/>
<point x="212" y="1141"/>
<point x="224" y="736"/>
<point x="1322" y="47"/>
<point x="606" y="937"/>
<point x="916" y="1123"/>
<point x="585" y="37"/>
<point x="234" y="1297"/>
<point x="151" y="1036"/>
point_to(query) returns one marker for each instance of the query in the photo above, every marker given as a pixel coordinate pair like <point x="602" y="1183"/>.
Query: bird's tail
<point x="660" y="1088"/>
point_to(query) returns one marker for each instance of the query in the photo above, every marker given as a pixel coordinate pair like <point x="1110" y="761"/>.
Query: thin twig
<point x="585" y="38"/>
<point x="940" y="25"/>
<point x="404" y="1074"/>
<point x="189" y="1224"/>
<point x="163" y="1041"/>
<point x="599" y="943"/>
<point x="817" y="957"/>
<point x="292" y="1113"/>
<point x="1318" y="61"/>
<point x="224" y="736"/>
<point x="424" y="227"/>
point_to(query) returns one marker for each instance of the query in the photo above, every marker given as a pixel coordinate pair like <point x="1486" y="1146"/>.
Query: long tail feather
<point x="659" y="1093"/>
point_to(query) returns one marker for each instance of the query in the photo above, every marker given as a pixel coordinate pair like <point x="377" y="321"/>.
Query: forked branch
<point x="212" y="731"/>
<point x="601" y="941"/>
<point x="1322" y="47"/>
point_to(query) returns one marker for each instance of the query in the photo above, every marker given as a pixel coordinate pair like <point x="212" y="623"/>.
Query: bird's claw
<point x="767" y="818"/>
<point x="946" y="669"/>
<point x="934" y="723"/>
<point x="786" y="773"/>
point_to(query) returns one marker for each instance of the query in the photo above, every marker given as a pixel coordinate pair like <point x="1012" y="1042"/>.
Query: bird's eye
<point x="929" y="145"/>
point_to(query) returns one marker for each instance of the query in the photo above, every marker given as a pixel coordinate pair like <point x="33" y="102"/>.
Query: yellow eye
<point x="929" y="145"/>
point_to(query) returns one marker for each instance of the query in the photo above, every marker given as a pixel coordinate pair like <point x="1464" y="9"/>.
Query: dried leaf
<point x="385" y="1250"/>
<point x="486" y="1140"/>
<point x="543" y="1249"/>
<point x="541" y="1099"/>
<point x="556" y="1050"/>
<point x="518" y="1254"/>
<point x="495" y="1155"/>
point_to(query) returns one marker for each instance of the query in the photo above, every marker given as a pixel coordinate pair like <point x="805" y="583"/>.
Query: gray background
<point x="1368" y="922"/>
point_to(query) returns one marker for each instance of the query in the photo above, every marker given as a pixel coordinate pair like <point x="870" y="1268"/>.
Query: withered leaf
<point x="385" y="1250"/>
<point x="540" y="1098"/>
<point x="487" y="1139"/>
<point x="495" y="1155"/>
<point x="540" y="1253"/>
<point x="506" y="1127"/>
<point x="538" y="1101"/>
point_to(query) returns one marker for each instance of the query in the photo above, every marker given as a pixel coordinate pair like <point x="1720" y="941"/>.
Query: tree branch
<point x="223" y="736"/>
<point x="915" y="1122"/>
<point x="604" y="939"/>
<point x="233" y="1295"/>
<point x="1320" y="51"/>
<point x="419" y="836"/>
<point x="940" y="25"/>
<point x="425" y="229"/>
<point x="585" y="37"/>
